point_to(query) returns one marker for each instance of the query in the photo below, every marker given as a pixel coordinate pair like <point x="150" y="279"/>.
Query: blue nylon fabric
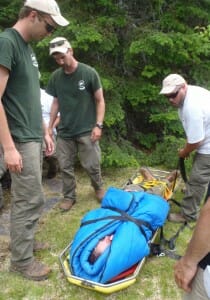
<point x="128" y="246"/>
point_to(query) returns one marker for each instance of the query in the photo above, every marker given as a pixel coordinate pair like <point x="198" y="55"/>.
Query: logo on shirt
<point x="81" y="85"/>
<point x="34" y="60"/>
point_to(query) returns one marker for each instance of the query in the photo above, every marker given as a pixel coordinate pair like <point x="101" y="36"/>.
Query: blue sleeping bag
<point x="132" y="218"/>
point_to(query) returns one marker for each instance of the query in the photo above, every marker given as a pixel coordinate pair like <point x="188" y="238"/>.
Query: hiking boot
<point x="147" y="175"/>
<point x="38" y="246"/>
<point x="35" y="270"/>
<point x="177" y="218"/>
<point x="173" y="175"/>
<point x="52" y="170"/>
<point x="99" y="194"/>
<point x="66" y="205"/>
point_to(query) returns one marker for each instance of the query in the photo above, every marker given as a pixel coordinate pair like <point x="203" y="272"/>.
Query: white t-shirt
<point x="195" y="117"/>
<point x="46" y="102"/>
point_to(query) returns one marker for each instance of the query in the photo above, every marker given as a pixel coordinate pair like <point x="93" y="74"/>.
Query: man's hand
<point x="182" y="153"/>
<point x="96" y="134"/>
<point x="13" y="160"/>
<point x="184" y="273"/>
<point x="49" y="144"/>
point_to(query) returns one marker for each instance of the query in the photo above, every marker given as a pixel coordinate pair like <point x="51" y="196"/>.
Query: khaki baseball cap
<point x="49" y="7"/>
<point x="172" y="83"/>
<point x="59" y="44"/>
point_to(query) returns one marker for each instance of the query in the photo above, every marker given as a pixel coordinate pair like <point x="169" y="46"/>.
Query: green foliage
<point x="120" y="153"/>
<point x="133" y="45"/>
<point x="166" y="153"/>
<point x="146" y="140"/>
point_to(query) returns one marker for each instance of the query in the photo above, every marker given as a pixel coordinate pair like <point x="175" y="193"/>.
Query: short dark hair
<point x="92" y="257"/>
<point x="25" y="11"/>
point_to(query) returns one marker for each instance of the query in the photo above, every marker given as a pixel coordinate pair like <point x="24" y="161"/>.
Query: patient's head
<point x="100" y="248"/>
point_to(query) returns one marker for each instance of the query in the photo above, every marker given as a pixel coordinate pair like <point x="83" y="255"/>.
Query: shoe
<point x="51" y="174"/>
<point x="38" y="246"/>
<point x="177" y="218"/>
<point x="100" y="194"/>
<point x="66" y="205"/>
<point x="173" y="175"/>
<point x="35" y="270"/>
<point x="52" y="170"/>
<point x="147" y="175"/>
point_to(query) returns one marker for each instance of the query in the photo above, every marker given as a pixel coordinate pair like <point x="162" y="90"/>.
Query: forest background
<point x="133" y="45"/>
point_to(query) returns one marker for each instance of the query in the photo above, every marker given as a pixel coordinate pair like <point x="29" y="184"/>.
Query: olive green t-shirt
<point x="75" y="93"/>
<point x="21" y="99"/>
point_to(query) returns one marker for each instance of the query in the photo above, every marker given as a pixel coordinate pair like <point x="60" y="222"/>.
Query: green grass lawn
<point x="154" y="282"/>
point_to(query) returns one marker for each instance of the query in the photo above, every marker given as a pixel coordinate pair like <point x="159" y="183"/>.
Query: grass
<point x="154" y="282"/>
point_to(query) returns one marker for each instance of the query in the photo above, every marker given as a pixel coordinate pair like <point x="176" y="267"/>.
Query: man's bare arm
<point x="12" y="157"/>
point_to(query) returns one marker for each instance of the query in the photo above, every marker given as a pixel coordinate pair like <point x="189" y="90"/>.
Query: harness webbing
<point x="122" y="217"/>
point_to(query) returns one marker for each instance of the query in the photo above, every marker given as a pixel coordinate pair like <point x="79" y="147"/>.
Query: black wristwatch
<point x="99" y="125"/>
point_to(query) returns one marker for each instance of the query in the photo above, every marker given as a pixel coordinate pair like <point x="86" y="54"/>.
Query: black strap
<point x="127" y="217"/>
<point x="159" y="250"/>
<point x="171" y="241"/>
<point x="175" y="201"/>
<point x="122" y="217"/>
<point x="182" y="169"/>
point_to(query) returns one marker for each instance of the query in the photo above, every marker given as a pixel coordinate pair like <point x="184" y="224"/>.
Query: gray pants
<point x="89" y="154"/>
<point x="2" y="172"/>
<point x="196" y="186"/>
<point x="198" y="290"/>
<point x="27" y="203"/>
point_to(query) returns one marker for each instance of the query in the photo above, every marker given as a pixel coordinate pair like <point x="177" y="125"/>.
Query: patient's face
<point x="102" y="245"/>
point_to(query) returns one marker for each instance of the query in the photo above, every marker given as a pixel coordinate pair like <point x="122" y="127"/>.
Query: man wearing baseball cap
<point x="193" y="103"/>
<point x="49" y="7"/>
<point x="21" y="130"/>
<point x="78" y="96"/>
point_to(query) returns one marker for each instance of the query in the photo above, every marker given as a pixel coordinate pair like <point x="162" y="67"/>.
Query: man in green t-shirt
<point x="78" y="96"/>
<point x="21" y="131"/>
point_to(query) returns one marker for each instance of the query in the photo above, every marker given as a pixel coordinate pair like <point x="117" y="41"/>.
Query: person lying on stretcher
<point x="100" y="248"/>
<point x="106" y="241"/>
<point x="98" y="252"/>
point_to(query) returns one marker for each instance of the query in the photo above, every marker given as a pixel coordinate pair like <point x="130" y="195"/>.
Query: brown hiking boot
<point x="176" y="218"/>
<point x="66" y="205"/>
<point x="35" y="270"/>
<point x="147" y="175"/>
<point x="38" y="246"/>
<point x="99" y="194"/>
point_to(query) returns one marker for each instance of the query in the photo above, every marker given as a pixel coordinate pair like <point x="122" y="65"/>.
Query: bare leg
<point x="147" y="175"/>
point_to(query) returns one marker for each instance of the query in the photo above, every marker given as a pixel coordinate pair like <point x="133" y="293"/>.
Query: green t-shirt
<point x="75" y="93"/>
<point x="21" y="98"/>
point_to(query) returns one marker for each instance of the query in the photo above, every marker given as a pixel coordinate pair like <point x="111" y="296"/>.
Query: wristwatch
<point x="99" y="125"/>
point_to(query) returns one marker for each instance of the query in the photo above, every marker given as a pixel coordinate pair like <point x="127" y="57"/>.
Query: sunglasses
<point x="49" y="28"/>
<point x="173" y="95"/>
<point x="57" y="44"/>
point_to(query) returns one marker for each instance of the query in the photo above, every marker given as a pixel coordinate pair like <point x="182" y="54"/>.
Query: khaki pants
<point x="2" y="171"/>
<point x="89" y="154"/>
<point x="27" y="203"/>
<point x="196" y="186"/>
<point x="198" y="291"/>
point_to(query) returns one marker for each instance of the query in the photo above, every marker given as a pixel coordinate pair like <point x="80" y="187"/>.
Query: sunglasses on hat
<point x="57" y="44"/>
